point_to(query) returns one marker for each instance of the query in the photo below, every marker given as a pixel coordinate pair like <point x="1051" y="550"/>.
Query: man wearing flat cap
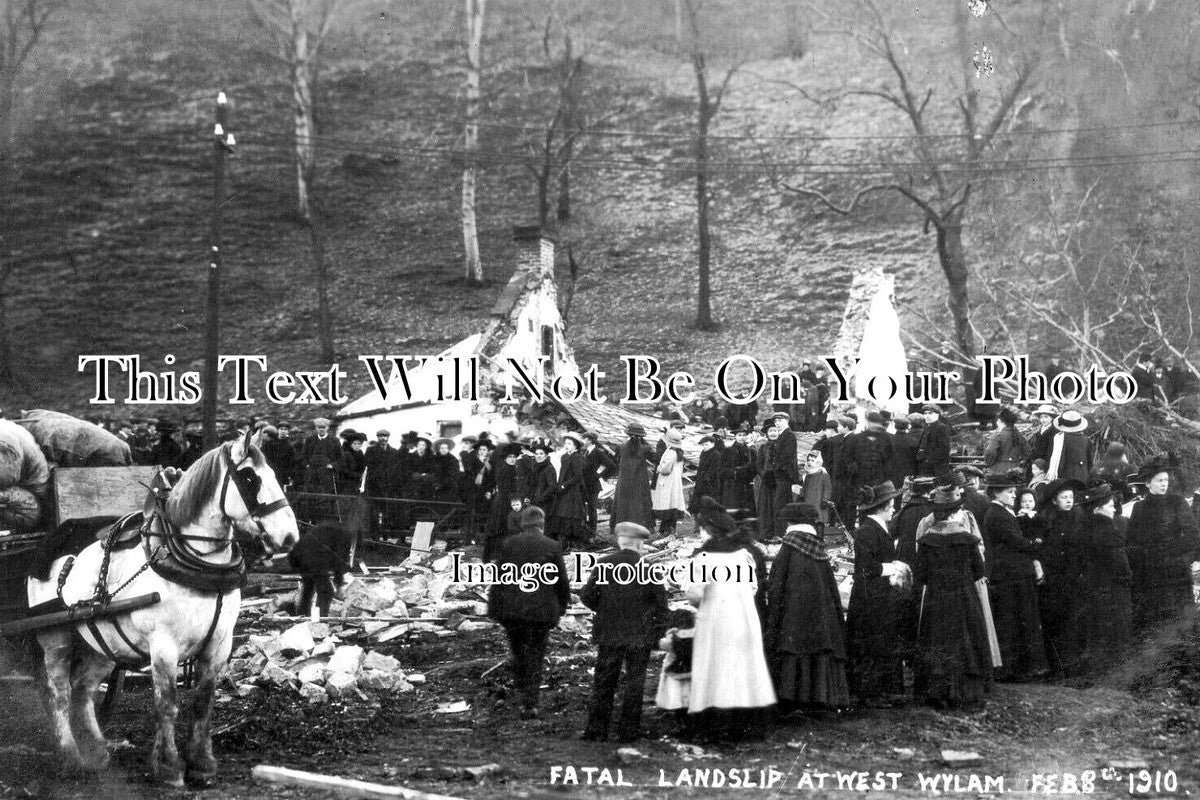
<point x="933" y="448"/>
<point x="785" y="466"/>
<point x="630" y="619"/>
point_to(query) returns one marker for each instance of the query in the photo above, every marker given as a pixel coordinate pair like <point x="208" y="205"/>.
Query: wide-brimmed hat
<point x="1009" y="479"/>
<point x="444" y="441"/>
<point x="1097" y="495"/>
<point x="710" y="512"/>
<point x="509" y="449"/>
<point x="970" y="471"/>
<point x="1055" y="488"/>
<point x="635" y="429"/>
<point x="950" y="480"/>
<point x="574" y="437"/>
<point x="424" y="437"/>
<point x="630" y="530"/>
<point x="800" y="514"/>
<point x="870" y="497"/>
<point x="944" y="499"/>
<point x="1163" y="462"/>
<point x="348" y="434"/>
<point x="921" y="483"/>
<point x="672" y="437"/>
<point x="1070" y="421"/>
<point x="541" y="444"/>
<point x="1045" y="409"/>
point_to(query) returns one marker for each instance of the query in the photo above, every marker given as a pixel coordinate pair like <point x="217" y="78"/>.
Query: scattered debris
<point x="961" y="758"/>
<point x="630" y="754"/>
<point x="456" y="707"/>
<point x="342" y="787"/>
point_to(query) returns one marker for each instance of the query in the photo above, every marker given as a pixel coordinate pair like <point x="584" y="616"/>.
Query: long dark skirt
<point x="809" y="681"/>
<point x="872" y="620"/>
<point x="1062" y="624"/>
<point x="1109" y="626"/>
<point x="954" y="665"/>
<point x="1018" y="628"/>
<point x="1155" y="605"/>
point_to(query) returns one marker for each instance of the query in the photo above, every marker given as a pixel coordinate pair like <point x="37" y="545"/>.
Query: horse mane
<point x="198" y="485"/>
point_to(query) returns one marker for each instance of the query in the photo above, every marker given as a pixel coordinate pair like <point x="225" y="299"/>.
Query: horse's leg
<point x="202" y="766"/>
<point x="164" y="758"/>
<point x="87" y="673"/>
<point x="57" y="651"/>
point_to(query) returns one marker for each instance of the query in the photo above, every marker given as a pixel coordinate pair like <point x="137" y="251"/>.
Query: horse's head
<point x="257" y="507"/>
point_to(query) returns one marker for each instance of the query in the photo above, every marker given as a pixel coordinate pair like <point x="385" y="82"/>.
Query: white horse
<point x="185" y="551"/>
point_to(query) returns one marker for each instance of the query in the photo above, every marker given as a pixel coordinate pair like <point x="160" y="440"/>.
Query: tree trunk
<point x="7" y="370"/>
<point x="473" y="268"/>
<point x="564" y="186"/>
<point x="324" y="313"/>
<point x="302" y="110"/>
<point x="954" y="266"/>
<point x="704" y="317"/>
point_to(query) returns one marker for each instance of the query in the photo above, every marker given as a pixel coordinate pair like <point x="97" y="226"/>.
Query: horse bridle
<point x="248" y="485"/>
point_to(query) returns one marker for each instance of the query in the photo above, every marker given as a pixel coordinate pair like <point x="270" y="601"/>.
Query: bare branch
<point x="843" y="210"/>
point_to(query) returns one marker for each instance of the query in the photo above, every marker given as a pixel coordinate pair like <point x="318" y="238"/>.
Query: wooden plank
<point x="342" y="787"/>
<point x="420" y="541"/>
<point x="81" y="492"/>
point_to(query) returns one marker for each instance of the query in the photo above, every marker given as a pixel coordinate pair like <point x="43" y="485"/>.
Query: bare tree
<point x="474" y="65"/>
<point x="944" y="167"/>
<point x="708" y="104"/>
<point x="22" y="27"/>
<point x="298" y="29"/>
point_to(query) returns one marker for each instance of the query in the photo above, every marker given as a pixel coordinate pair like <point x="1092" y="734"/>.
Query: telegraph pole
<point x="223" y="143"/>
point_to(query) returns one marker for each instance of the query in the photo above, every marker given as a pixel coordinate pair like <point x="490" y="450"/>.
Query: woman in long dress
<point x="1163" y="542"/>
<point x="666" y="498"/>
<point x="631" y="498"/>
<point x="1107" y="602"/>
<point x="876" y="668"/>
<point x="568" y="513"/>
<point x="954" y="658"/>
<point x="1012" y="582"/>
<point x="731" y="692"/>
<point x="805" y="634"/>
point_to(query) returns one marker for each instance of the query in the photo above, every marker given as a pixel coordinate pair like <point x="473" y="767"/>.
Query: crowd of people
<point x="1039" y="566"/>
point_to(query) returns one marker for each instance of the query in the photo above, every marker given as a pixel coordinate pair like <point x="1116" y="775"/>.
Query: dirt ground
<point x="1051" y="730"/>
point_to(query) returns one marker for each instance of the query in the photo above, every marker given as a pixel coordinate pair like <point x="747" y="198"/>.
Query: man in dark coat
<point x="785" y="466"/>
<point x="1143" y="376"/>
<point x="597" y="464"/>
<point x="876" y="666"/>
<point x="1070" y="453"/>
<point x="320" y="458"/>
<point x="321" y="556"/>
<point x="737" y="472"/>
<point x="904" y="453"/>
<point x="869" y="453"/>
<point x="166" y="452"/>
<point x="933" y="449"/>
<point x="903" y="528"/>
<point x="527" y="617"/>
<point x="280" y="456"/>
<point x="630" y="619"/>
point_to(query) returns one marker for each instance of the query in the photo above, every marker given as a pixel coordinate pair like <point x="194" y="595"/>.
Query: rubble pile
<point x="310" y="659"/>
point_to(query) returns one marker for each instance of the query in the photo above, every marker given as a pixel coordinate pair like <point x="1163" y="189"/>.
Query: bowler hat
<point x="870" y="497"/>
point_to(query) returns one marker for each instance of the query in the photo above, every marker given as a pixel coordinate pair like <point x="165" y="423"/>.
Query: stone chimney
<point x="535" y="251"/>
